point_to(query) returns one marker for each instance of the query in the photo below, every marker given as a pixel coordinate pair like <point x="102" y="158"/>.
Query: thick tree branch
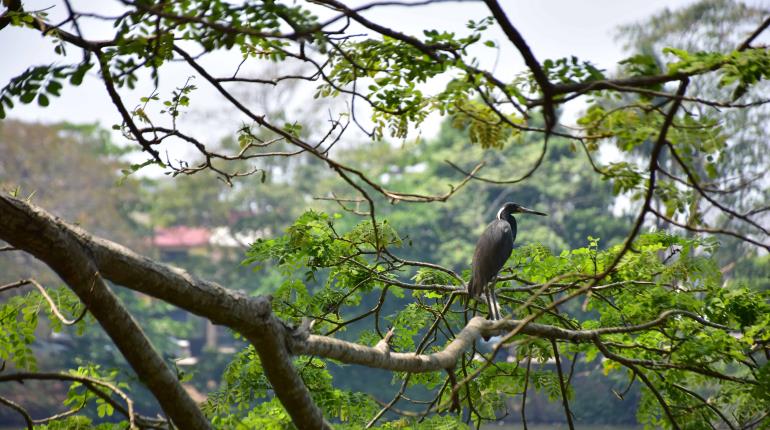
<point x="57" y="244"/>
<point x="353" y="353"/>
<point x="60" y="248"/>
<point x="32" y="230"/>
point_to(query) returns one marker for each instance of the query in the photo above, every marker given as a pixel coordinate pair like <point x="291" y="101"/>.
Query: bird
<point x="492" y="251"/>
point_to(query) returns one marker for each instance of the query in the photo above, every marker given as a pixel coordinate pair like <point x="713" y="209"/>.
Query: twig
<point x="18" y="408"/>
<point x="44" y="293"/>
<point x="641" y="376"/>
<point x="706" y="403"/>
<point x="524" y="393"/>
<point x="562" y="386"/>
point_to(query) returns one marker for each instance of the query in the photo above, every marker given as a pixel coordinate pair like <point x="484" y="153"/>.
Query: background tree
<point x="658" y="311"/>
<point x="738" y="166"/>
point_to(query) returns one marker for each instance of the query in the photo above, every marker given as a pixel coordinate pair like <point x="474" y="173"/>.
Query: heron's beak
<point x="531" y="211"/>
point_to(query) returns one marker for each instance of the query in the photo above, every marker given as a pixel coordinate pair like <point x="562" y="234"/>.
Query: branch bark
<point x="81" y="260"/>
<point x="529" y="58"/>
<point x="52" y="242"/>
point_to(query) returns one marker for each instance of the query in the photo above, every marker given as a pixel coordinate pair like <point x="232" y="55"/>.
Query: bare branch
<point x="529" y="58"/>
<point x="643" y="377"/>
<point x="709" y="230"/>
<point x="13" y="405"/>
<point x="706" y="403"/>
<point x="695" y="184"/>
<point x="747" y="43"/>
<point x="562" y="385"/>
<point x="88" y="382"/>
<point x="521" y="178"/>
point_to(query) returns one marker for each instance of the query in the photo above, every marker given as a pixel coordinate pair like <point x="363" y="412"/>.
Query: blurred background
<point x="205" y="225"/>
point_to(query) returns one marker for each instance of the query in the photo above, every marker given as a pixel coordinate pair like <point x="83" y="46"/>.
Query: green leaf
<point x="77" y="77"/>
<point x="27" y="97"/>
<point x="53" y="87"/>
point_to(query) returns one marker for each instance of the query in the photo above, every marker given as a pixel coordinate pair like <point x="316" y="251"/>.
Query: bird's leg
<point x="494" y="307"/>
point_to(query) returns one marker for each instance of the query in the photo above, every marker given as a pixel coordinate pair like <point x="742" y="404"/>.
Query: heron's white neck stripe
<point x="500" y="213"/>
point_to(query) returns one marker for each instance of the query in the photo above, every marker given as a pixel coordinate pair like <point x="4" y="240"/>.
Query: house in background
<point x="184" y="245"/>
<point x="180" y="242"/>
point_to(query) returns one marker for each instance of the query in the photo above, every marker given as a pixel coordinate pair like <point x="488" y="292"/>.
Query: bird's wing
<point x="492" y="251"/>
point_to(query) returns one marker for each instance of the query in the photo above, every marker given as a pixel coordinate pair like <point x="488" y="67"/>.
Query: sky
<point x="553" y="29"/>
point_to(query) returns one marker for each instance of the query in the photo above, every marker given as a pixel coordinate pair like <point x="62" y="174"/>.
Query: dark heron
<point x="492" y="251"/>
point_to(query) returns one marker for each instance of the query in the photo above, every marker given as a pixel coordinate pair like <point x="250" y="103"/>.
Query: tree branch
<point x="60" y="248"/>
<point x="88" y="382"/>
<point x="47" y="297"/>
<point x="32" y="230"/>
<point x="353" y="353"/>
<point x="63" y="247"/>
<point x="562" y="385"/>
<point x="655" y="392"/>
<point x="529" y="58"/>
<point x="15" y="406"/>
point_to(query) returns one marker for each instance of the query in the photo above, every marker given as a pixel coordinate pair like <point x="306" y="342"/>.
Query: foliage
<point x="701" y="36"/>
<point x="41" y="83"/>
<point x="312" y="248"/>
<point x="243" y="400"/>
<point x="666" y="273"/>
<point x="647" y="307"/>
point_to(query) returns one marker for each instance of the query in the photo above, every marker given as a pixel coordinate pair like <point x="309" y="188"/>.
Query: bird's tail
<point x="473" y="294"/>
<point x="474" y="290"/>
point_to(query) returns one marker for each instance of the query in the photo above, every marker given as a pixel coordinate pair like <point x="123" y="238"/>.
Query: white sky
<point x="553" y="29"/>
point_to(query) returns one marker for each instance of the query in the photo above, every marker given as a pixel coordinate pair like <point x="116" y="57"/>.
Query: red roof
<point x="181" y="237"/>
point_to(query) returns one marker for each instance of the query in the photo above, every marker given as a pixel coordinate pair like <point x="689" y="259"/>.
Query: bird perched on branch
<point x="492" y="251"/>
